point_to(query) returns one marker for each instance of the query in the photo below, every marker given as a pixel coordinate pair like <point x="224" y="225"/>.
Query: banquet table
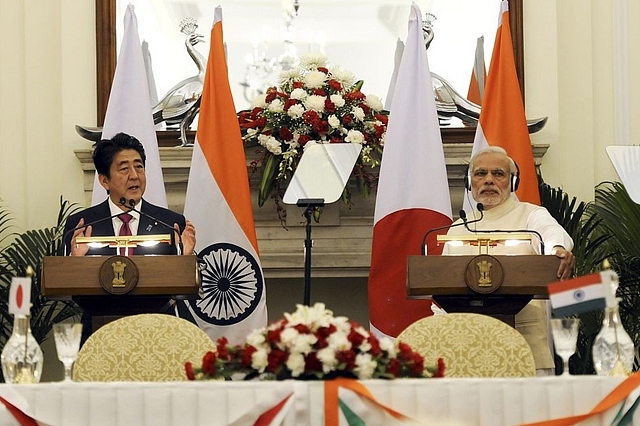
<point x="452" y="401"/>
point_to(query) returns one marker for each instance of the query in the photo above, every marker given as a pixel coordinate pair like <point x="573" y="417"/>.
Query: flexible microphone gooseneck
<point x="480" y="208"/>
<point x="131" y="205"/>
<point x="463" y="216"/>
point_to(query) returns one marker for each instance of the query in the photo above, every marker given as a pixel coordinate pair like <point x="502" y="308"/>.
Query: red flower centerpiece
<point x="312" y="344"/>
<point x="312" y="104"/>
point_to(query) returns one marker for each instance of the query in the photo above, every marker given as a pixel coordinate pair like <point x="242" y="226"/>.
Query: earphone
<point x="515" y="179"/>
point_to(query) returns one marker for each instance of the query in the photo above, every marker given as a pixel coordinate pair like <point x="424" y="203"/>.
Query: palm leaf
<point x="24" y="250"/>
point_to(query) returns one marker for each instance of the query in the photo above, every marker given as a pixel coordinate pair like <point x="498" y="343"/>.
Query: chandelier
<point x="261" y="71"/>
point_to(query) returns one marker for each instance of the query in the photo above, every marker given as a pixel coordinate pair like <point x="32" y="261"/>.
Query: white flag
<point x="20" y="296"/>
<point x="129" y="111"/>
<point x="218" y="203"/>
<point x="413" y="190"/>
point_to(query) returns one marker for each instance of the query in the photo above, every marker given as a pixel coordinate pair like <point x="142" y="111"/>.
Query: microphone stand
<point x="310" y="205"/>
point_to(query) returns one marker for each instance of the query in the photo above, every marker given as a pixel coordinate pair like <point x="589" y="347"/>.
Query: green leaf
<point x="268" y="179"/>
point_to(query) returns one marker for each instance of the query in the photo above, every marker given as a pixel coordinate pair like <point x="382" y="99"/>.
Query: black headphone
<point x="515" y="179"/>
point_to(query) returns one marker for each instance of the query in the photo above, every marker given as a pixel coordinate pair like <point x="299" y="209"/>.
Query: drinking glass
<point x="67" y="337"/>
<point x="565" y="336"/>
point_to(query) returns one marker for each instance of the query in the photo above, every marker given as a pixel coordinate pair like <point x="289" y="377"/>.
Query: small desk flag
<point x="20" y="296"/>
<point x="582" y="294"/>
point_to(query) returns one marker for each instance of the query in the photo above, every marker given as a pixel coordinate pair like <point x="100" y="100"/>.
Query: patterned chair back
<point x="146" y="347"/>
<point x="472" y="345"/>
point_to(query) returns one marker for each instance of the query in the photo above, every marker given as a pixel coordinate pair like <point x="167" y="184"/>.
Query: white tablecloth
<point x="458" y="402"/>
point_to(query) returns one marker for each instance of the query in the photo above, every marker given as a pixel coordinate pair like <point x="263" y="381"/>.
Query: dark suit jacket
<point x="104" y="227"/>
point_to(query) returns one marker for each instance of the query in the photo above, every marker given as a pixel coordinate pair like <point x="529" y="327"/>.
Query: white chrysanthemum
<point x="327" y="356"/>
<point x="339" y="341"/>
<point x="310" y="314"/>
<point x="289" y="336"/>
<point x="333" y="121"/>
<point x="373" y="102"/>
<point x="251" y="132"/>
<point x="295" y="111"/>
<point x="315" y="79"/>
<point x="295" y="363"/>
<point x="271" y="143"/>
<point x="387" y="345"/>
<point x="337" y="100"/>
<point x="315" y="103"/>
<point x="299" y="94"/>
<point x="304" y="343"/>
<point x="259" y="101"/>
<point x="276" y="105"/>
<point x="358" y="113"/>
<point x="313" y="60"/>
<point x="256" y="338"/>
<point x="288" y="76"/>
<point x="259" y="360"/>
<point x="344" y="76"/>
<point x="365" y="366"/>
<point x="354" y="136"/>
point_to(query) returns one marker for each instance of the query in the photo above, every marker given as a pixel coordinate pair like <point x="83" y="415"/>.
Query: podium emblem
<point x="118" y="275"/>
<point x="484" y="274"/>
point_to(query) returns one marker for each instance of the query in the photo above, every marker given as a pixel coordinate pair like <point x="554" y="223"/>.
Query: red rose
<point x="440" y="370"/>
<point x="188" y="368"/>
<point x="382" y="118"/>
<point x="271" y="95"/>
<point x="335" y="85"/>
<point x="247" y="353"/>
<point x="355" y="338"/>
<point x="209" y="363"/>
<point x="289" y="103"/>
<point x="285" y="134"/>
<point x="319" y="92"/>
<point x="310" y="116"/>
<point x="255" y="112"/>
<point x="348" y="358"/>
<point x="274" y="335"/>
<point x="312" y="363"/>
<point x="275" y="359"/>
<point x="321" y="127"/>
<point x="347" y="119"/>
<point x="354" y="96"/>
<point x="329" y="106"/>
<point x="301" y="328"/>
<point x="297" y="85"/>
<point x="393" y="367"/>
<point x="303" y="139"/>
<point x="365" y="108"/>
<point x="379" y="130"/>
<point x="323" y="69"/>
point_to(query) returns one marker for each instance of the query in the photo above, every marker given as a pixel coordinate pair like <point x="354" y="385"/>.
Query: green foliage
<point x="607" y="228"/>
<point x="18" y="251"/>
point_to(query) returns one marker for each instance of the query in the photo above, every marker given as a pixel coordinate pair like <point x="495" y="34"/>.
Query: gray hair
<point x="513" y="168"/>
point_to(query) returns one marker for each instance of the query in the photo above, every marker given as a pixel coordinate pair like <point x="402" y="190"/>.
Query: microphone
<point x="86" y="225"/>
<point x="131" y="205"/>
<point x="463" y="216"/>
<point x="480" y="208"/>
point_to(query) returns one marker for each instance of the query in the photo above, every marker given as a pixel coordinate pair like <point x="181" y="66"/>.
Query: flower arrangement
<point x="312" y="104"/>
<point x="312" y="344"/>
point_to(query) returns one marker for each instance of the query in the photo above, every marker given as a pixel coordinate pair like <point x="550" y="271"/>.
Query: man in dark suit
<point x="120" y="163"/>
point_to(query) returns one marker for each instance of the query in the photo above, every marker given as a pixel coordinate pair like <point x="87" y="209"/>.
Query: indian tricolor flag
<point x="413" y="191"/>
<point x="582" y="294"/>
<point x="219" y="205"/>
<point x="502" y="118"/>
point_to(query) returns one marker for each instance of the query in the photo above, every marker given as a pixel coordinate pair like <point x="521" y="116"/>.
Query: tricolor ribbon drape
<point x="616" y="396"/>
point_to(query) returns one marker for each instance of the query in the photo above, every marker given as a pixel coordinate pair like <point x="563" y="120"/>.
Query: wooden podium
<point x="446" y="278"/>
<point x="145" y="285"/>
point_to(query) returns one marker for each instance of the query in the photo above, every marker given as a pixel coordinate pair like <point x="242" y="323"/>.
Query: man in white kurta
<point x="492" y="178"/>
